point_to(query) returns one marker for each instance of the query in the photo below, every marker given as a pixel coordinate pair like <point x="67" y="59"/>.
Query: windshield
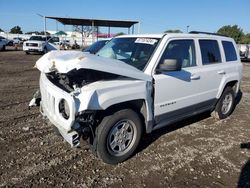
<point x="133" y="51"/>
<point x="39" y="38"/>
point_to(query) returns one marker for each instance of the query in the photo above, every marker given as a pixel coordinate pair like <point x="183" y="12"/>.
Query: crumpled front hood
<point x="65" y="61"/>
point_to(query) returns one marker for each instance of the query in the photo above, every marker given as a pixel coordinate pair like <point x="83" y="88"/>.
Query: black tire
<point x="27" y="53"/>
<point x="112" y="130"/>
<point x="45" y="50"/>
<point x="225" y="105"/>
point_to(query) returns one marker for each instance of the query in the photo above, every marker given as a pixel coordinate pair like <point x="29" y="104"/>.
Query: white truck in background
<point x="40" y="44"/>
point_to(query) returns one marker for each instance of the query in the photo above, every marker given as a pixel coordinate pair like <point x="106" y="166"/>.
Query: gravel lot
<point x="198" y="152"/>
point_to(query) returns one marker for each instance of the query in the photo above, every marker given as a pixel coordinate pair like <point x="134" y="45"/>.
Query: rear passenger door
<point x="214" y="69"/>
<point x="215" y="66"/>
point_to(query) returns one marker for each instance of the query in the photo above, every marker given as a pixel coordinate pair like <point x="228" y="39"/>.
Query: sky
<point x="155" y="16"/>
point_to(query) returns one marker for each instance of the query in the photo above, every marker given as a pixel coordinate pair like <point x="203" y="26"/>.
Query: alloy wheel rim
<point x="121" y="137"/>
<point x="227" y="104"/>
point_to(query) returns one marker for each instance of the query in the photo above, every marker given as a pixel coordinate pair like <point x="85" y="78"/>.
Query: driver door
<point x="178" y="93"/>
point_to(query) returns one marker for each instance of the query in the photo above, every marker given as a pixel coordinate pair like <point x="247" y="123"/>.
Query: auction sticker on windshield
<point x="146" y="41"/>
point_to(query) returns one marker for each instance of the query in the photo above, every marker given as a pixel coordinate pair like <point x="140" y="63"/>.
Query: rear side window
<point x="229" y="51"/>
<point x="210" y="52"/>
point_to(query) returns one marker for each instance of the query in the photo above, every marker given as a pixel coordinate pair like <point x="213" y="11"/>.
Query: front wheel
<point x="45" y="50"/>
<point x="225" y="105"/>
<point x="118" y="136"/>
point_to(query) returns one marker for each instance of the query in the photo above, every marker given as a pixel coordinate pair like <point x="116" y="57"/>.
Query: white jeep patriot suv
<point x="137" y="84"/>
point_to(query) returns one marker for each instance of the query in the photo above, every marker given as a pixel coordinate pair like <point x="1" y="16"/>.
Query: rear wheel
<point x="118" y="136"/>
<point x="225" y="105"/>
<point x="27" y="53"/>
<point x="4" y="48"/>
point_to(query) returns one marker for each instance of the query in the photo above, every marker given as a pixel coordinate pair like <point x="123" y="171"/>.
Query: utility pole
<point x="44" y="26"/>
<point x="187" y="28"/>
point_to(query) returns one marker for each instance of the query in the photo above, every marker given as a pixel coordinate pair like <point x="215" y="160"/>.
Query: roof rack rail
<point x="201" y="32"/>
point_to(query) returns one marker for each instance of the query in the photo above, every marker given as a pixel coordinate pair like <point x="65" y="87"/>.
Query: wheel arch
<point x="233" y="84"/>
<point x="140" y="106"/>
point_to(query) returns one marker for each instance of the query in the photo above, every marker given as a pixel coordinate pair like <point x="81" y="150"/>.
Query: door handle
<point x="195" y="77"/>
<point x="221" y="72"/>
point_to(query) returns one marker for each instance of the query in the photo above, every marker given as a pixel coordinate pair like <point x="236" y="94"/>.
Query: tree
<point x="120" y="33"/>
<point x="37" y="33"/>
<point x="42" y="33"/>
<point x="16" y="30"/>
<point x="1" y="30"/>
<point x="234" y="32"/>
<point x="86" y="30"/>
<point x="245" y="39"/>
<point x="173" y="31"/>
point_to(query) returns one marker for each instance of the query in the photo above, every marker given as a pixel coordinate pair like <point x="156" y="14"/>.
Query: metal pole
<point x="97" y="32"/>
<point x="82" y="36"/>
<point x="133" y="29"/>
<point x="109" y="32"/>
<point x="139" y="27"/>
<point x="93" y="24"/>
<point x="45" y="26"/>
<point x="187" y="28"/>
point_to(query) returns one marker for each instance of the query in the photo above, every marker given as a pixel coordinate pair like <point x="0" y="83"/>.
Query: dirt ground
<point x="198" y="152"/>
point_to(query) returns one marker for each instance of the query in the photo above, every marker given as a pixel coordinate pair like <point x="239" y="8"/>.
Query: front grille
<point x="32" y="44"/>
<point x="51" y="97"/>
<point x="49" y="101"/>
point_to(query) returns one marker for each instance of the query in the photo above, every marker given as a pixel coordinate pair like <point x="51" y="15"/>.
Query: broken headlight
<point x="64" y="109"/>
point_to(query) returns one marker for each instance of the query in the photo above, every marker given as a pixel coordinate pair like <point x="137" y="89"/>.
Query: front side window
<point x="133" y="51"/>
<point x="210" y="52"/>
<point x="229" y="51"/>
<point x="181" y="50"/>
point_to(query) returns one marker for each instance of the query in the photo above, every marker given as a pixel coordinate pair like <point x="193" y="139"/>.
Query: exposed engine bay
<point x="78" y="78"/>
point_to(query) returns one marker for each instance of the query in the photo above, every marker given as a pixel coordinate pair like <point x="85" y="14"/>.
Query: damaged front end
<point x="69" y="83"/>
<point x="75" y="87"/>
<point x="78" y="78"/>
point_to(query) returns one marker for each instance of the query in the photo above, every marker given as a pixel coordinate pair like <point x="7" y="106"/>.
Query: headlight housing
<point x="64" y="109"/>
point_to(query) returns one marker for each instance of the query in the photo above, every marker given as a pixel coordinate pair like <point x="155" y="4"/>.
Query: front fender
<point x="95" y="97"/>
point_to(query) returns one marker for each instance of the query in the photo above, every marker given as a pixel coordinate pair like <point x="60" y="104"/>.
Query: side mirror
<point x="170" y="65"/>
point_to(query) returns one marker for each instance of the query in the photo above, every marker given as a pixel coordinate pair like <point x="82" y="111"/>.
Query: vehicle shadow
<point x="148" y="139"/>
<point x="244" y="179"/>
<point x="238" y="97"/>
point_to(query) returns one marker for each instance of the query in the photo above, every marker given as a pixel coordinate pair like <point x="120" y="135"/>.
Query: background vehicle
<point x="2" y="44"/>
<point x="17" y="40"/>
<point x="95" y="47"/>
<point x="136" y="84"/>
<point x="4" y="41"/>
<point x="244" y="51"/>
<point x="41" y="44"/>
<point x="65" y="45"/>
